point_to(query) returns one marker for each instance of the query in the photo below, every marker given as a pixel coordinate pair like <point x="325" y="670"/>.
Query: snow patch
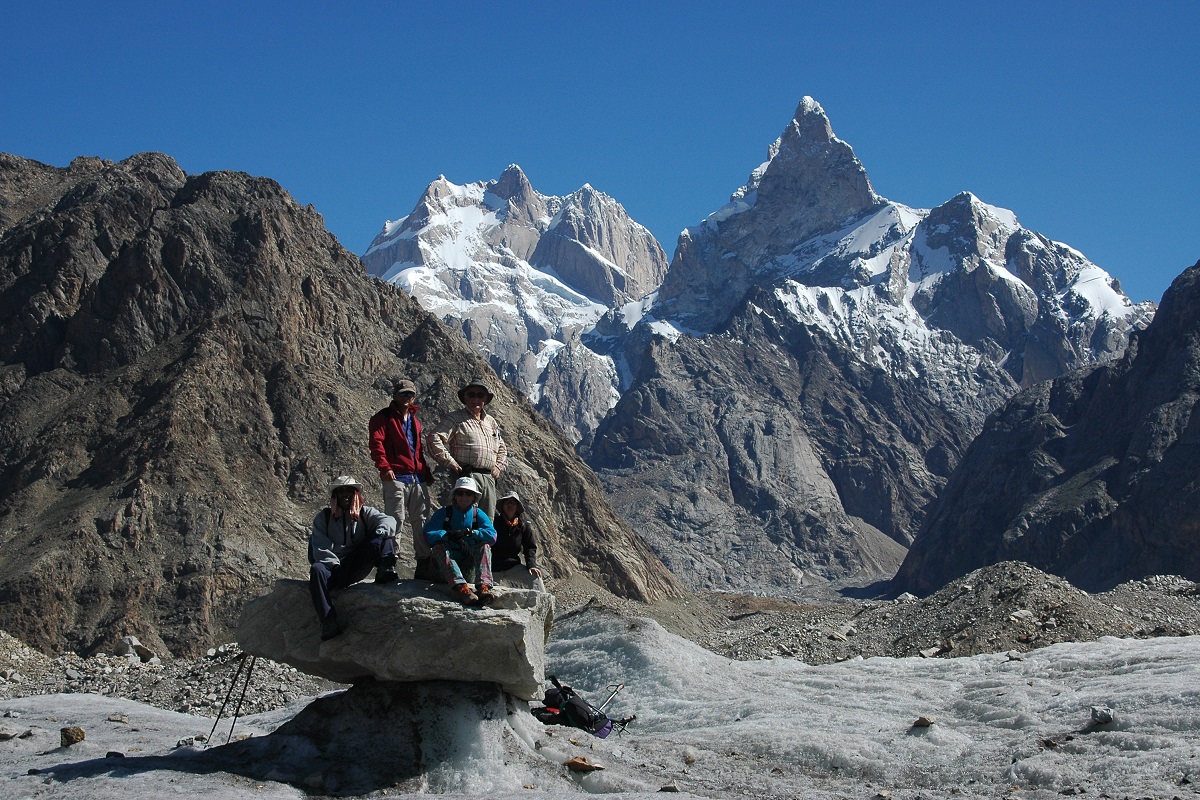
<point x="1094" y="287"/>
<point x="672" y="330"/>
<point x="1006" y="219"/>
<point x="738" y="205"/>
<point x="547" y="350"/>
<point x="928" y="264"/>
<point x="631" y="314"/>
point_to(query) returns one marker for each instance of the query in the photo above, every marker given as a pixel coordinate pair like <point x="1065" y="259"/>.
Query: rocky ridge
<point x="186" y="362"/>
<point x="1091" y="476"/>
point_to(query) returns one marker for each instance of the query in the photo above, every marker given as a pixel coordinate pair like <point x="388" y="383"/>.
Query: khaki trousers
<point x="409" y="504"/>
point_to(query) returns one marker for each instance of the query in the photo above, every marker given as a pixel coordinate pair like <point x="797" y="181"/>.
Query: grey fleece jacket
<point x="333" y="538"/>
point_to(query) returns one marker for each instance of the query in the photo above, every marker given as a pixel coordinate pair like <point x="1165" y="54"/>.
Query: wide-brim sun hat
<point x="342" y="481"/>
<point x="512" y="496"/>
<point x="468" y="483"/>
<point x="477" y="382"/>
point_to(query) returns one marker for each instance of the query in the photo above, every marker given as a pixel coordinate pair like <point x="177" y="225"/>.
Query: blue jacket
<point x="473" y="519"/>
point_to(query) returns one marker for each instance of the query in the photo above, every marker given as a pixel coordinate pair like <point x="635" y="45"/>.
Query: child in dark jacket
<point x="514" y="539"/>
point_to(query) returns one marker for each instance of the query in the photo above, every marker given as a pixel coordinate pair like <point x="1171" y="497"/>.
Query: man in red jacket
<point x="395" y="434"/>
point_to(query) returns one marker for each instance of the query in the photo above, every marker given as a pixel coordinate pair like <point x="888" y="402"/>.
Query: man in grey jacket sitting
<point x="348" y="540"/>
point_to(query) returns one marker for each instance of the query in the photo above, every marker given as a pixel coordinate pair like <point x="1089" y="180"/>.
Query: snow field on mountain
<point x="1094" y="286"/>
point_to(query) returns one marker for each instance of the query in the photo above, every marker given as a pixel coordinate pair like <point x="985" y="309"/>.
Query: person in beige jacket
<point x="468" y="443"/>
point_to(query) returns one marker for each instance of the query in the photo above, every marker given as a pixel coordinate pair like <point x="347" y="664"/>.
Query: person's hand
<point x="534" y="571"/>
<point x="457" y="535"/>
<point x="391" y="475"/>
<point x="495" y="473"/>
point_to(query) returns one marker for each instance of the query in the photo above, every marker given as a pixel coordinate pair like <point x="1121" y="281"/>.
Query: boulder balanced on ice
<point x="406" y="631"/>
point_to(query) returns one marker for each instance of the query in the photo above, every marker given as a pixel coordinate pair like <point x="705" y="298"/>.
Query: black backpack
<point x="564" y="706"/>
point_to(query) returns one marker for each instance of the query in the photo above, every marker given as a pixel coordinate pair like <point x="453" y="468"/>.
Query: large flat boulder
<point x="406" y="631"/>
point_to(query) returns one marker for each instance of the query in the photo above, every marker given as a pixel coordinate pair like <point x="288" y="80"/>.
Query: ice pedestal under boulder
<point x="407" y="631"/>
<point x="435" y="737"/>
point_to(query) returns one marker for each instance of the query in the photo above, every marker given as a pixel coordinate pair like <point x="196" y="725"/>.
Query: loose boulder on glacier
<point x="408" y="631"/>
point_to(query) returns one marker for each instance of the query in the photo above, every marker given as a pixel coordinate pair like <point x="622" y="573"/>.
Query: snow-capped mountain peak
<point x="848" y="347"/>
<point x="523" y="275"/>
<point x="816" y="354"/>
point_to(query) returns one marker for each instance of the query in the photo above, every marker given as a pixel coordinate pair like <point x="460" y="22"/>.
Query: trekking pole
<point x="238" y="710"/>
<point x="613" y="688"/>
<point x="232" y="686"/>
<point x="620" y="724"/>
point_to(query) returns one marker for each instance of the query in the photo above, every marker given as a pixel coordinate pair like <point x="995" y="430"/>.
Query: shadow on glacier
<point x="879" y="590"/>
<point x="432" y="736"/>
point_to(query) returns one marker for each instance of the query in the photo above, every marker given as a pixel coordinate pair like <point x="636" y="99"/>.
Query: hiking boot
<point x="386" y="575"/>
<point x="330" y="627"/>
<point x="465" y="595"/>
<point x="485" y="595"/>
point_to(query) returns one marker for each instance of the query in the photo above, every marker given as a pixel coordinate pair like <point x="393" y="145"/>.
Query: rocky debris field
<point x="1002" y="608"/>
<point x="193" y="686"/>
<point x="1005" y="607"/>
<point x="1008" y="607"/>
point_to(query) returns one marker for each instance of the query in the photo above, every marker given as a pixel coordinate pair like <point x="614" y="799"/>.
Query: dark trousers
<point x="356" y="565"/>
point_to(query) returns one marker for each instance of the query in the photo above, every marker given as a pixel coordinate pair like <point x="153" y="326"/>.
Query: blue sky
<point x="1080" y="117"/>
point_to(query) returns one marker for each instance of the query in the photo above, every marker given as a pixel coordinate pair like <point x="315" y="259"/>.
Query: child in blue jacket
<point x="461" y="536"/>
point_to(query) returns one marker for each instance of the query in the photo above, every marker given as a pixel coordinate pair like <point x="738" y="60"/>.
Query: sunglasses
<point x="406" y="394"/>
<point x="463" y="493"/>
<point x="474" y="394"/>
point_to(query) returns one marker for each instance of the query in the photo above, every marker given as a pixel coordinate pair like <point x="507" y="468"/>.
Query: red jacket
<point x="389" y="445"/>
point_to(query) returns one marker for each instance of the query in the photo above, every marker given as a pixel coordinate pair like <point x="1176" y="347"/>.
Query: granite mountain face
<point x="818" y="358"/>
<point x="522" y="275"/>
<point x="185" y="363"/>
<point x="1094" y="476"/>
<point x="807" y="374"/>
